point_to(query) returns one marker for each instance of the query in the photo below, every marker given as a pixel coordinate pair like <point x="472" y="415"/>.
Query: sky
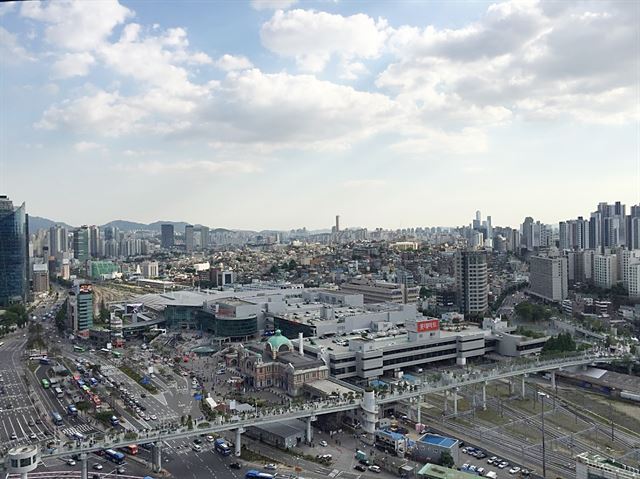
<point x="278" y="114"/>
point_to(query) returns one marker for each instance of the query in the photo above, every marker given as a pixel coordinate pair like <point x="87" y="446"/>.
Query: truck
<point x="221" y="446"/>
<point x="361" y="455"/>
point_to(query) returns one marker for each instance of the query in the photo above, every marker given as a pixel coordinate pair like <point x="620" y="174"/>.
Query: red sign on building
<point x="427" y="325"/>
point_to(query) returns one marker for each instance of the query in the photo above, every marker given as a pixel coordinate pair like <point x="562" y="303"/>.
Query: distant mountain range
<point x="37" y="223"/>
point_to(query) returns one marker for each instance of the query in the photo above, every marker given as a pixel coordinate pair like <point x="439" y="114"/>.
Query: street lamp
<point x="543" y="395"/>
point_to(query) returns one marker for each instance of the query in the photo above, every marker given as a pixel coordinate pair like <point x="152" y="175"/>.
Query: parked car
<point x="360" y="467"/>
<point x="270" y="467"/>
<point x="323" y="443"/>
<point x="503" y="464"/>
<point x="235" y="465"/>
<point x="375" y="468"/>
<point x="514" y="470"/>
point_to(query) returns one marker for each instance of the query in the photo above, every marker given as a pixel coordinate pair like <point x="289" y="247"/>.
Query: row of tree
<point x="532" y="312"/>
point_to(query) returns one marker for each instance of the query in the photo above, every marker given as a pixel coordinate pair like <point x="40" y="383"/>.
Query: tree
<point x="446" y="460"/>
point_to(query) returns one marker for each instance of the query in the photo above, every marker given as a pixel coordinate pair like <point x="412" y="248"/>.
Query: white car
<point x="97" y="467"/>
<point x="196" y="447"/>
<point x="502" y="465"/>
<point x="374" y="468"/>
<point x="514" y="470"/>
<point x="154" y="417"/>
<point x="71" y="462"/>
<point x="323" y="443"/>
<point x="270" y="467"/>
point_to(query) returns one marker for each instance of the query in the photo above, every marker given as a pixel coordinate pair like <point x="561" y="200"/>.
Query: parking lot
<point x="477" y="461"/>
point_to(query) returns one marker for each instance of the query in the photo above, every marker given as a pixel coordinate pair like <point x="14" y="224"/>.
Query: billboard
<point x="427" y="325"/>
<point x="85" y="288"/>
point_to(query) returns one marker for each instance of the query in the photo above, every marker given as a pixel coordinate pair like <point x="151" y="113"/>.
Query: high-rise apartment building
<point x="188" y="238"/>
<point x="633" y="280"/>
<point x="472" y="288"/>
<point x="548" y="277"/>
<point x="605" y="270"/>
<point x="167" y="236"/>
<point x="80" y="308"/>
<point x="14" y="264"/>
<point x="81" y="243"/>
<point x="57" y="240"/>
<point x="627" y="259"/>
<point x="204" y="237"/>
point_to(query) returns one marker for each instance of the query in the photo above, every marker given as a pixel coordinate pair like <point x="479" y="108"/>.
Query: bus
<point x="79" y="349"/>
<point x="222" y="447"/>
<point x="131" y="449"/>
<point x="58" y="392"/>
<point x="253" y="474"/>
<point x="44" y="360"/>
<point x="114" y="456"/>
<point x="45" y="383"/>
<point x="56" y="418"/>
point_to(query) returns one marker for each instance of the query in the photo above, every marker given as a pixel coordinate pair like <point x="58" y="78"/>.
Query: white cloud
<point x="272" y="4"/>
<point x="10" y="49"/>
<point x="184" y="166"/>
<point x="523" y="59"/>
<point x="468" y="141"/>
<point x="105" y="113"/>
<point x="231" y="62"/>
<point x="312" y="38"/>
<point x="364" y="183"/>
<point x="73" y="64"/>
<point x="85" y="146"/>
<point x="77" y="26"/>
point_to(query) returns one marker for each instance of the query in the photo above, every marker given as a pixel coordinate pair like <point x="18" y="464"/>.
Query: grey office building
<point x="472" y="288"/>
<point x="167" y="236"/>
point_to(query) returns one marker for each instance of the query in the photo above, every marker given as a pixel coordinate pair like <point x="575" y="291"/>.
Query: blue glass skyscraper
<point x="14" y="284"/>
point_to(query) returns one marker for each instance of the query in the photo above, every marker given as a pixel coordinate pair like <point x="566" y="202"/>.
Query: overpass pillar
<point x="553" y="379"/>
<point x="484" y="396"/>
<point x="156" y="457"/>
<point x="455" y="402"/>
<point x="524" y="376"/>
<point x="369" y="412"/>
<point x="446" y="401"/>
<point x="309" y="437"/>
<point x="84" y="466"/>
<point x="511" y="386"/>
<point x="238" y="444"/>
<point x="419" y="411"/>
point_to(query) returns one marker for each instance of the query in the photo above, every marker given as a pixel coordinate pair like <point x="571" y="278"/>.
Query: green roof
<point x="277" y="340"/>
<point x="433" y="471"/>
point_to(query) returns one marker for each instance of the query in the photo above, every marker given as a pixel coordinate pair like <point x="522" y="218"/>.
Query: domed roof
<point x="276" y="341"/>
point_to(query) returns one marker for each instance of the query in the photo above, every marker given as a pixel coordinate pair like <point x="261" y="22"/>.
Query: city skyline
<point x="282" y="114"/>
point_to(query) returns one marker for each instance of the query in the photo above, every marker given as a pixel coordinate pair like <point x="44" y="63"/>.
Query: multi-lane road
<point x="20" y="420"/>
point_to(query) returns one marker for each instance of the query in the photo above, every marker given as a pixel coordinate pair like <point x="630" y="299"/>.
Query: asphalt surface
<point x="18" y="414"/>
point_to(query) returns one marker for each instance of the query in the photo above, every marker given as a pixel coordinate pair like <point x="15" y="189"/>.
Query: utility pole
<point x="544" y="452"/>
<point x="611" y="419"/>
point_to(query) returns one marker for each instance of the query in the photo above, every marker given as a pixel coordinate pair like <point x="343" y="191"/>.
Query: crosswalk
<point x="81" y="428"/>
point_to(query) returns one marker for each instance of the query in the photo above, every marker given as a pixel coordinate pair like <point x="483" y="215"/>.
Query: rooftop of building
<point x="437" y="440"/>
<point x="392" y="337"/>
<point x="440" y="472"/>
<point x="329" y="386"/>
<point x="395" y="436"/>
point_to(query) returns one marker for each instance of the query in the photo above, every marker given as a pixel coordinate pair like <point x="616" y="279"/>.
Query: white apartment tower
<point x="605" y="270"/>
<point x="549" y="278"/>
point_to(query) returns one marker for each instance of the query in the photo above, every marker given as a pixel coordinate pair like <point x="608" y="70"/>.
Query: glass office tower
<point x="14" y="283"/>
